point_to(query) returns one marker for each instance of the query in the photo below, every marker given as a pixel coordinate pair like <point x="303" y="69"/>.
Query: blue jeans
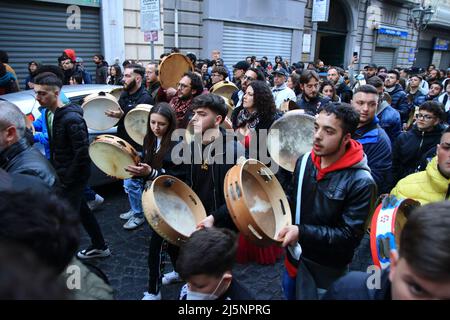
<point x="133" y="188"/>
<point x="288" y="285"/>
<point x="89" y="194"/>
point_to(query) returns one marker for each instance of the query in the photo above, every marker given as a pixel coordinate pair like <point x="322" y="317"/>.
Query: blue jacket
<point x="353" y="286"/>
<point x="40" y="125"/>
<point x="390" y="121"/>
<point x="41" y="135"/>
<point x="400" y="102"/>
<point x="417" y="99"/>
<point x="377" y="147"/>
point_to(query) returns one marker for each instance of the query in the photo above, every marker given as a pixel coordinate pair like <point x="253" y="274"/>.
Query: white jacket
<point x="283" y="95"/>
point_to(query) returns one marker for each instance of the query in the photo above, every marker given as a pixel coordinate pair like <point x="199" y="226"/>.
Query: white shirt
<point x="283" y="95"/>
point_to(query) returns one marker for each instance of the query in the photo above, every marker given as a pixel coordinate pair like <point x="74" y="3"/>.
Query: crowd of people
<point x="377" y="133"/>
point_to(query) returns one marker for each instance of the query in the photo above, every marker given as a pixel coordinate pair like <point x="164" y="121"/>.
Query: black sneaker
<point x="92" y="252"/>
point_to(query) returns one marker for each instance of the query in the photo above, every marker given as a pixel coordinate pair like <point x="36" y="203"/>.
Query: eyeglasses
<point x="182" y="86"/>
<point x="215" y="75"/>
<point x="424" y="116"/>
<point x="248" y="78"/>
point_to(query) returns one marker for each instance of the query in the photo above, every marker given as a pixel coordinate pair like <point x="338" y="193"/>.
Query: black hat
<point x="242" y="65"/>
<point x="281" y="71"/>
<point x="371" y="65"/>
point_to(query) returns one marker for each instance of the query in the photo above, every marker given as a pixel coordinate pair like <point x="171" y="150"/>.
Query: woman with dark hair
<point x="115" y="78"/>
<point x="202" y="67"/>
<point x="258" y="112"/>
<point x="157" y="149"/>
<point x="293" y="82"/>
<point x="327" y="89"/>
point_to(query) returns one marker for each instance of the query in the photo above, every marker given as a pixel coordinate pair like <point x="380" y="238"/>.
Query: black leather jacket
<point x="22" y="158"/>
<point x="69" y="146"/>
<point x="333" y="211"/>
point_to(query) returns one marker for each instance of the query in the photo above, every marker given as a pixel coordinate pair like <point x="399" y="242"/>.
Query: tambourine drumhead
<point x="116" y="93"/>
<point x="112" y="155"/>
<point x="386" y="227"/>
<point x="136" y="122"/>
<point x="257" y="202"/>
<point x="290" y="137"/>
<point x="94" y="107"/>
<point x="172" y="69"/>
<point x="172" y="209"/>
<point x="224" y="89"/>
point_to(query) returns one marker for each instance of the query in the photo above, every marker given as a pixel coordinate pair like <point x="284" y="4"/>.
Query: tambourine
<point x="94" y="107"/>
<point x="172" y="70"/>
<point x="290" y="137"/>
<point x="224" y="88"/>
<point x="116" y="93"/>
<point x="172" y="209"/>
<point x="112" y="155"/>
<point x="386" y="227"/>
<point x="256" y="202"/>
<point x="136" y="122"/>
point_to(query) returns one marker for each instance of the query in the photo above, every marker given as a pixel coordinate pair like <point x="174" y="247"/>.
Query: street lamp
<point x="420" y="18"/>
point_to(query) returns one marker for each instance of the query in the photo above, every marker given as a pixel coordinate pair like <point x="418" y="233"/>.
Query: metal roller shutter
<point x="241" y="40"/>
<point x="384" y="57"/>
<point x="423" y="58"/>
<point x="445" y="60"/>
<point x="38" y="31"/>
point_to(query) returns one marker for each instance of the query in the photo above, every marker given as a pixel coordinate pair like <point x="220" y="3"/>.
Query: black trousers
<point x="75" y="197"/>
<point x="155" y="267"/>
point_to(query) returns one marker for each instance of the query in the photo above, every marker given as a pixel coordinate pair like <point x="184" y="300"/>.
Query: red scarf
<point x="180" y="107"/>
<point x="352" y="156"/>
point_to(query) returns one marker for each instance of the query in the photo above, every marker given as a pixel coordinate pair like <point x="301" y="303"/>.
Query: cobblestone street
<point x="127" y="266"/>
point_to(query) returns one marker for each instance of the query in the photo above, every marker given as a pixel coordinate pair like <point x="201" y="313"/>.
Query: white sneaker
<point x="133" y="223"/>
<point x="94" y="204"/>
<point x="127" y="215"/>
<point x="151" y="296"/>
<point x="171" y="277"/>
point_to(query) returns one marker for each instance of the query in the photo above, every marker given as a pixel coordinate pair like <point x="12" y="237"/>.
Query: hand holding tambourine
<point x="140" y="170"/>
<point x="115" y="113"/>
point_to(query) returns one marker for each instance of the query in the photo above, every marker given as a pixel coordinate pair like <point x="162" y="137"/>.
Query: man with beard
<point x="331" y="195"/>
<point x="310" y="100"/>
<point x="190" y="86"/>
<point x="371" y="70"/>
<point x="134" y="93"/>
<point x="398" y="95"/>
<point x="101" y="72"/>
<point x="374" y="139"/>
<point x="342" y="90"/>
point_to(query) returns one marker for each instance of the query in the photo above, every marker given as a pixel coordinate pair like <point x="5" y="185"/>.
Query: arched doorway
<point x="332" y="36"/>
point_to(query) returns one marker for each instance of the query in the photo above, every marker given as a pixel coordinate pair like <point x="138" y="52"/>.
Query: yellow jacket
<point x="425" y="186"/>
